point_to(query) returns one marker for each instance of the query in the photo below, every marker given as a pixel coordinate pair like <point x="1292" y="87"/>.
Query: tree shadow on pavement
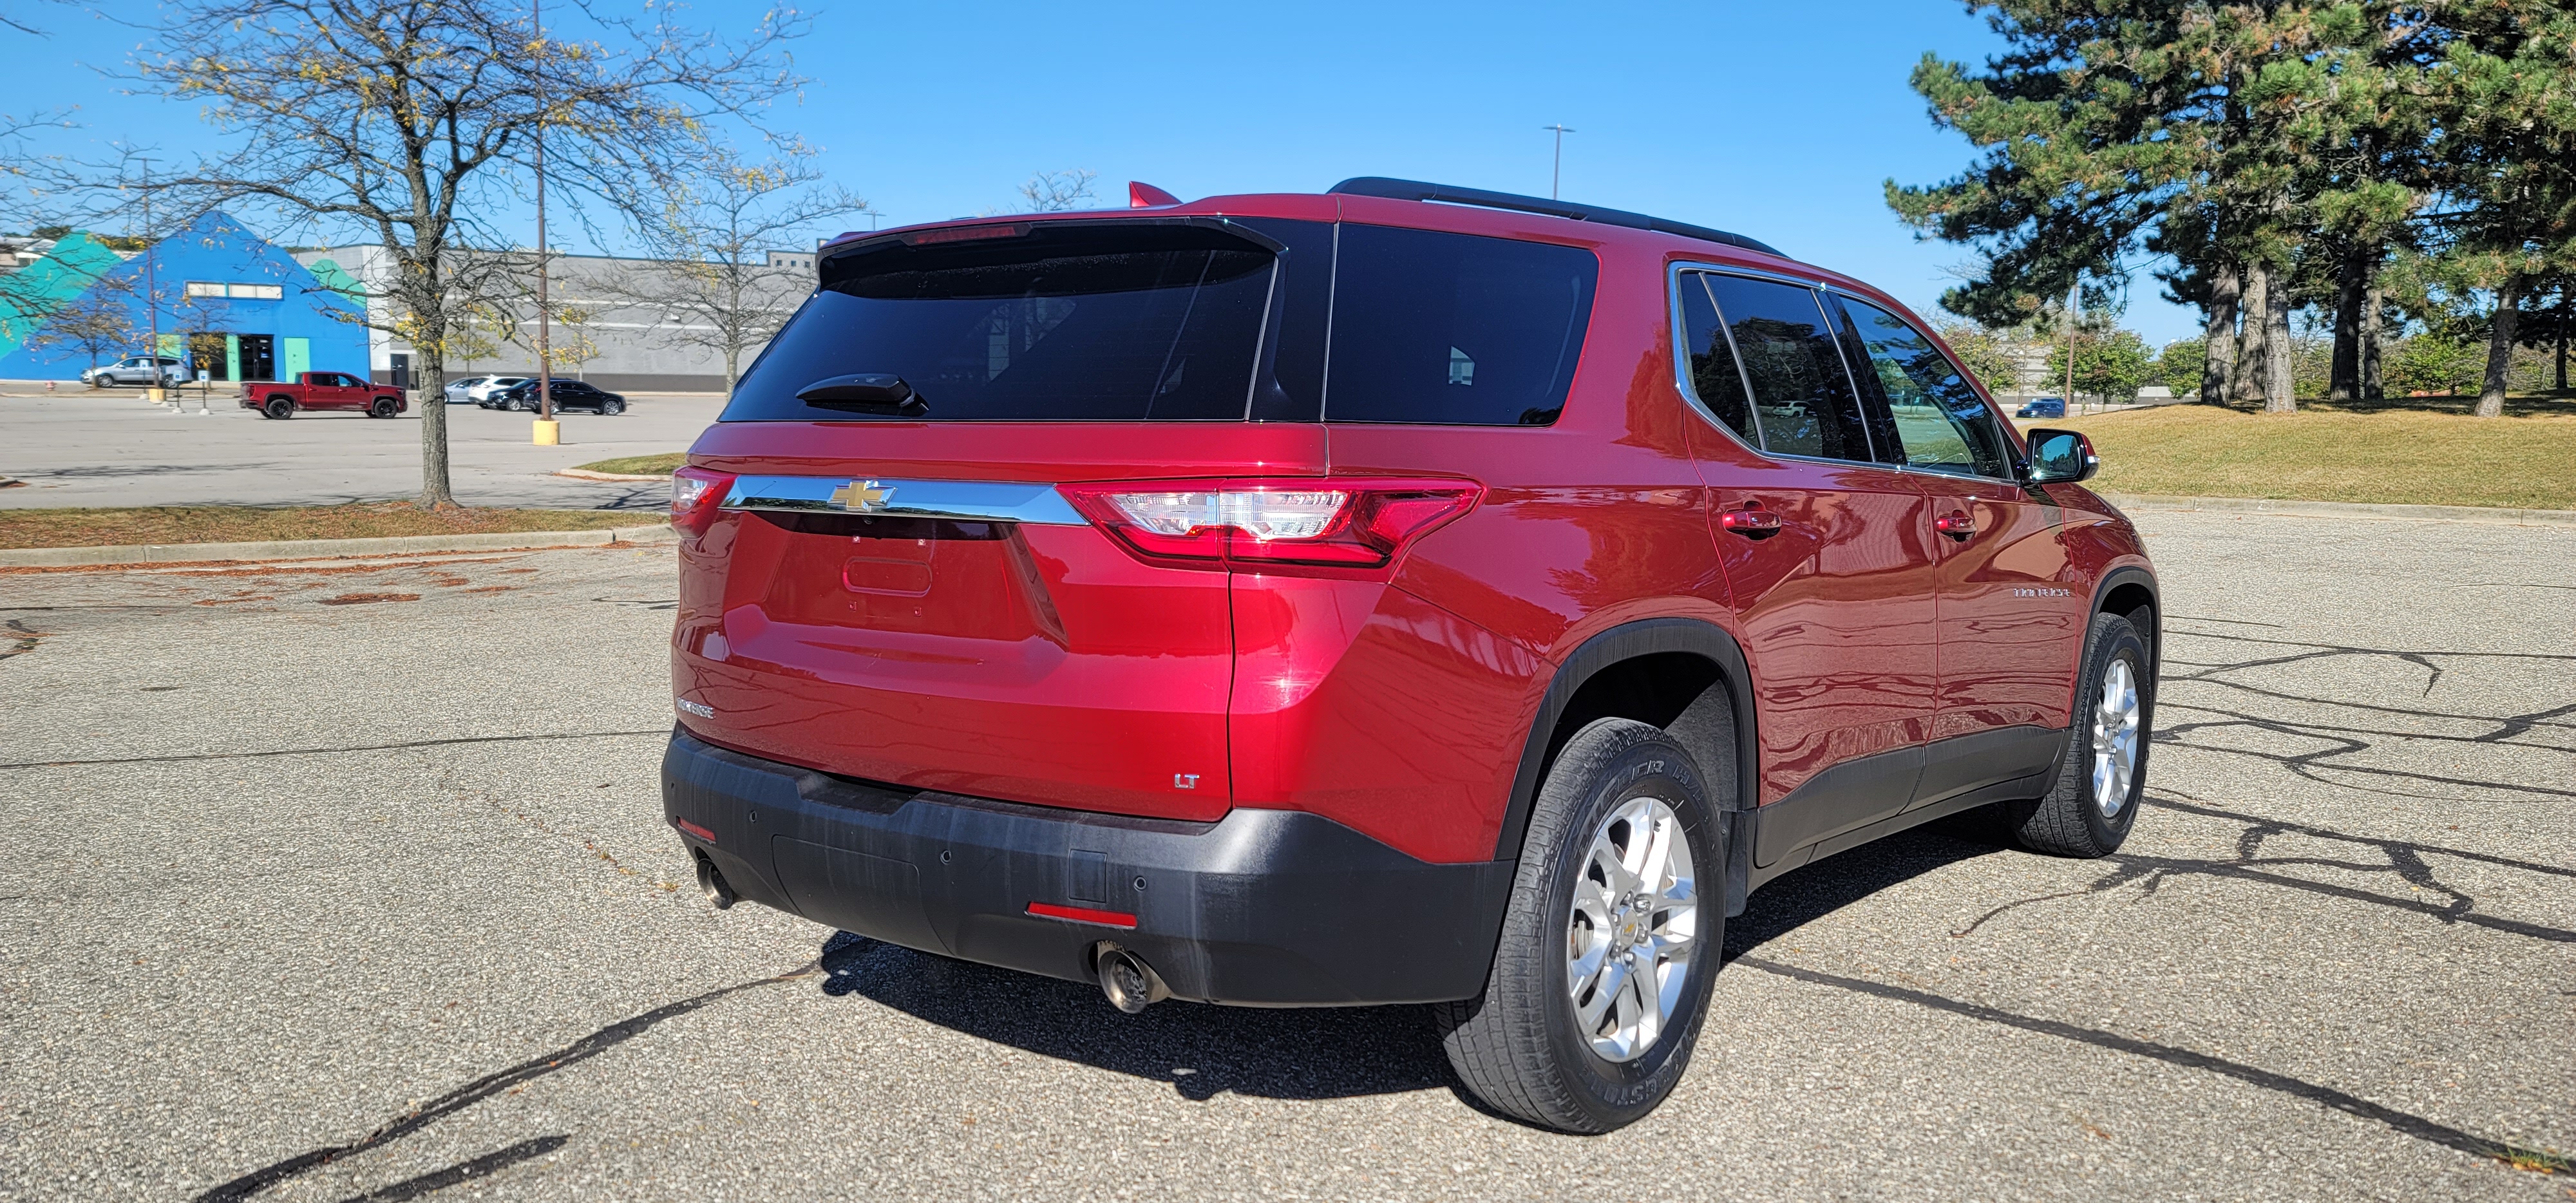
<point x="1202" y="1050"/>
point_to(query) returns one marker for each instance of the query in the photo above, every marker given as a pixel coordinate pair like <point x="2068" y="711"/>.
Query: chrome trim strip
<point x="970" y="500"/>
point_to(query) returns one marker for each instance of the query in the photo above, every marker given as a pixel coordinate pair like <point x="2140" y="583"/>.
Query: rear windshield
<point x="1112" y="321"/>
<point x="1127" y="319"/>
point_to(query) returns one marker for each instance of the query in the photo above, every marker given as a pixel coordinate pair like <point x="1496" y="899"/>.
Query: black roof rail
<point x="1416" y="190"/>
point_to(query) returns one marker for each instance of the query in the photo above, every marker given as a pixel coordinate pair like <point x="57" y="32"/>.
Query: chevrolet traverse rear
<point x="1352" y="599"/>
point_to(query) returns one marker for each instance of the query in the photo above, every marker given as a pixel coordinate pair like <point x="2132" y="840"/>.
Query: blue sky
<point x="1780" y="121"/>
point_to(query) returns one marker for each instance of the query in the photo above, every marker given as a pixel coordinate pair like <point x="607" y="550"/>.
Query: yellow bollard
<point x="549" y="434"/>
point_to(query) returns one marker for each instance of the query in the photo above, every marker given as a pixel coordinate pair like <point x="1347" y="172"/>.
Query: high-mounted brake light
<point x="695" y="495"/>
<point x="1333" y="525"/>
<point x="1010" y="229"/>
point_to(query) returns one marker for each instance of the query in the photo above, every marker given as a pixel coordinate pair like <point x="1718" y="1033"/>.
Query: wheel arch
<point x="1685" y="675"/>
<point x="2130" y="592"/>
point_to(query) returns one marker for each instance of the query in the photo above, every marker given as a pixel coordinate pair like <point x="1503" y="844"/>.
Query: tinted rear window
<point x="1455" y="328"/>
<point x="1115" y="321"/>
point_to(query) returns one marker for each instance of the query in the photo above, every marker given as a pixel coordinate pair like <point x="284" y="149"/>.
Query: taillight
<point x="1358" y="524"/>
<point x="695" y="495"/>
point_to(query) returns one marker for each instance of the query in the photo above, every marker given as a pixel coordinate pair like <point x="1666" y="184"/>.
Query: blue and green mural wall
<point x="228" y="302"/>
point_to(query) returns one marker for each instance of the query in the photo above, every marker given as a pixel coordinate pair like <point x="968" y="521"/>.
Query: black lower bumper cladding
<point x="1263" y="907"/>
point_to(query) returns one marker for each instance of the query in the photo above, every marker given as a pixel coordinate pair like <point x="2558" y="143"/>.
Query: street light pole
<point x="1556" y="174"/>
<point x="2070" y="344"/>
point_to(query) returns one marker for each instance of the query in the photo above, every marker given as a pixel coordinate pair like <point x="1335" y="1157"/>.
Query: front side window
<point x="1939" y="422"/>
<point x="1709" y="359"/>
<point x="1803" y="400"/>
<point x="1455" y="328"/>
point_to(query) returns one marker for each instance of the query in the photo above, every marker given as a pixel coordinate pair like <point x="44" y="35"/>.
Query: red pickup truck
<point x="322" y="390"/>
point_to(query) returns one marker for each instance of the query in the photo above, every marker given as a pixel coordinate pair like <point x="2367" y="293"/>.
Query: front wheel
<point x="2103" y="776"/>
<point x="381" y="407"/>
<point x="279" y="408"/>
<point x="612" y="408"/>
<point x="1602" y="974"/>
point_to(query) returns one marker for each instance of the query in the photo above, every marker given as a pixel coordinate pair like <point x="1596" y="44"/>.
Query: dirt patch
<point x="241" y="524"/>
<point x="362" y="599"/>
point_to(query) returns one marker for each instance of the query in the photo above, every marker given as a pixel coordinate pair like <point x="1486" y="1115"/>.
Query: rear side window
<point x="1710" y="359"/>
<point x="1803" y="400"/>
<point x="1454" y="328"/>
<point x="1113" y="321"/>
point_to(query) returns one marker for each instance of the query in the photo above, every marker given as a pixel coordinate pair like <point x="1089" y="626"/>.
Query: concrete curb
<point x="586" y="474"/>
<point x="2340" y="509"/>
<point x="314" y="549"/>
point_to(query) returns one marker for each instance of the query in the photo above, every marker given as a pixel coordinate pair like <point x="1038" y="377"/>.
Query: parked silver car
<point x="135" y="370"/>
<point x="461" y="391"/>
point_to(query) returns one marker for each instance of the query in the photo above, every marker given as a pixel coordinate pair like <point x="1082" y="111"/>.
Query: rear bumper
<point x="1262" y="907"/>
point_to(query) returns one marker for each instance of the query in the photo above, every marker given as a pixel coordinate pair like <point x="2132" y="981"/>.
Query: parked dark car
<point x="1344" y="600"/>
<point x="568" y="394"/>
<point x="2042" y="407"/>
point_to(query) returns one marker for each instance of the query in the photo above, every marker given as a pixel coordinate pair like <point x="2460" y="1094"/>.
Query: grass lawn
<point x="638" y="465"/>
<point x="249" y="524"/>
<point x="2418" y="451"/>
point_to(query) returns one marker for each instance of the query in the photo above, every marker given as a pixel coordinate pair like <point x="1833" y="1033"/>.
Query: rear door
<point x="2009" y="617"/>
<point x="1827" y="554"/>
<point x="896" y="590"/>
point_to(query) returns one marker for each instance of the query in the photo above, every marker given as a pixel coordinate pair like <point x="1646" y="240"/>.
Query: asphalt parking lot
<point x="331" y="882"/>
<point x="80" y="448"/>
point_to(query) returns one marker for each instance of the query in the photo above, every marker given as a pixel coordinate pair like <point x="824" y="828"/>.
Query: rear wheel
<point x="2094" y="803"/>
<point x="381" y="407"/>
<point x="279" y="408"/>
<point x="1602" y="974"/>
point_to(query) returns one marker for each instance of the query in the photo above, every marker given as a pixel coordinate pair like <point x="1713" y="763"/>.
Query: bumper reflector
<point x="1082" y="914"/>
<point x="700" y="832"/>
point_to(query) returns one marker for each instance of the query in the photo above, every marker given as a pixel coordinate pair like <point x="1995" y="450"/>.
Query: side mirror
<point x="2060" y="455"/>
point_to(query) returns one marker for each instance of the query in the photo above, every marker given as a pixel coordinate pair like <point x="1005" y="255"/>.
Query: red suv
<point x="1332" y="600"/>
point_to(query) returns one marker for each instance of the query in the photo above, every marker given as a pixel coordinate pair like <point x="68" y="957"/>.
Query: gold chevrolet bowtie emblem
<point x="862" y="496"/>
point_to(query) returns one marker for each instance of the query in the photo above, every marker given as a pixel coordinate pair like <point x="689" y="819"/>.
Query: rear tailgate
<point x="903" y="596"/>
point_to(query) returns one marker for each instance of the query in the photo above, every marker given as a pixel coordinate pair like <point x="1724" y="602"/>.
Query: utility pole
<point x="1556" y="174"/>
<point x="151" y="288"/>
<point x="547" y="433"/>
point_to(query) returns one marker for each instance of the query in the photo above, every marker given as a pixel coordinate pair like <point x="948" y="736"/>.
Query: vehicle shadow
<point x="1301" y="1053"/>
<point x="1808" y="894"/>
<point x="1202" y="1050"/>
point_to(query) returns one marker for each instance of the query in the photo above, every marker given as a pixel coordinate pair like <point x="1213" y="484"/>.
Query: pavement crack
<point x="463" y="1171"/>
<point x="28" y="638"/>
<point x="332" y="751"/>
<point x="2403" y="1122"/>
<point x="483" y="1088"/>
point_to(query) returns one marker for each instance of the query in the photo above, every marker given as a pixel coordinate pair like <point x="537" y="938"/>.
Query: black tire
<point x="381" y="407"/>
<point x="1517" y="1046"/>
<point x="611" y="408"/>
<point x="525" y="405"/>
<point x="279" y="408"/>
<point x="2068" y="821"/>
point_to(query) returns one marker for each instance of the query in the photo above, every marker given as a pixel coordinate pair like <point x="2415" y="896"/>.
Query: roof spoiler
<point x="1416" y="190"/>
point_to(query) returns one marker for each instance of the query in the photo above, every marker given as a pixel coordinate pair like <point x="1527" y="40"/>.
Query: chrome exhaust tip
<point x="711" y="882"/>
<point x="1126" y="980"/>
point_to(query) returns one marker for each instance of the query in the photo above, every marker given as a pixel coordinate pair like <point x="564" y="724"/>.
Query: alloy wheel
<point x="1633" y="929"/>
<point x="2115" y="738"/>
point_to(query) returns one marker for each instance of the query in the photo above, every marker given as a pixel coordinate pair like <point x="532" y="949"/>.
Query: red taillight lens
<point x="1360" y="524"/>
<point x="695" y="495"/>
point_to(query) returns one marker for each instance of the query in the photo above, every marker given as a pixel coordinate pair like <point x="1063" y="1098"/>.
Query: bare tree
<point x="1057" y="191"/>
<point x="99" y="322"/>
<point x="401" y="122"/>
<point x="718" y="288"/>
